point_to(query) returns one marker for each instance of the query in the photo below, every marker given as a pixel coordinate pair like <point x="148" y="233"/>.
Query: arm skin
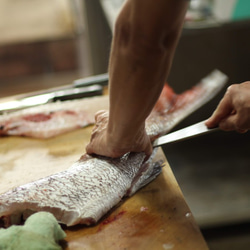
<point x="233" y="111"/>
<point x="145" y="37"/>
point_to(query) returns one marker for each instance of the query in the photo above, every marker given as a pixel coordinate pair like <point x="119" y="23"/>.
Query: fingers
<point x="101" y="120"/>
<point x="149" y="150"/>
<point x="233" y="112"/>
<point x="101" y="116"/>
<point x="105" y="144"/>
<point x="228" y="124"/>
<point x="88" y="149"/>
<point x="223" y="110"/>
<point x="234" y="122"/>
<point x="100" y="112"/>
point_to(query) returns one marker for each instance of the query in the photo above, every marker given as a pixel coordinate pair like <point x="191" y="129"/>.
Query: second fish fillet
<point x="93" y="185"/>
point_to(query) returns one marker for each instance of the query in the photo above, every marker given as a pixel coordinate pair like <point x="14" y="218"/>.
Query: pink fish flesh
<point x="93" y="185"/>
<point x="52" y="119"/>
<point x="172" y="108"/>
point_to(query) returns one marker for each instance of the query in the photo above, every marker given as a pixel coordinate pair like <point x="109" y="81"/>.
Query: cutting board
<point x="156" y="217"/>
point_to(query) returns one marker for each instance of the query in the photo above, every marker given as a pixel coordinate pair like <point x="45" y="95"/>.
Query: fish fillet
<point x="83" y="193"/>
<point x="93" y="185"/>
<point x="50" y="120"/>
<point x="172" y="108"/>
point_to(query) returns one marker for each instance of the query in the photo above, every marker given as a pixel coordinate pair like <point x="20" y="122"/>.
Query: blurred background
<point x="50" y="43"/>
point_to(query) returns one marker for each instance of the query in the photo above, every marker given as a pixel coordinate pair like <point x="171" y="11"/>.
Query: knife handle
<point x="76" y="93"/>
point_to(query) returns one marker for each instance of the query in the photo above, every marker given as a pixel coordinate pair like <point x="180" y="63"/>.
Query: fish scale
<point x="93" y="192"/>
<point x="93" y="185"/>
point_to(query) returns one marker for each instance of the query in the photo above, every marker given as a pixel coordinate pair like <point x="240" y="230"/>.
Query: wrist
<point x="124" y="136"/>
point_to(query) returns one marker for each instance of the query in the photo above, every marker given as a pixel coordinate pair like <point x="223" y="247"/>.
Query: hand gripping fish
<point x="93" y="185"/>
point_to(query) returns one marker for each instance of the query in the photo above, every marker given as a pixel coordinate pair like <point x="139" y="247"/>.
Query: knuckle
<point x="101" y="114"/>
<point x="241" y="124"/>
<point x="232" y="89"/>
<point x="246" y="83"/>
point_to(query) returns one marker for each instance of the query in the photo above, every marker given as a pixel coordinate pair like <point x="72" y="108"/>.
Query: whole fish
<point x="93" y="185"/>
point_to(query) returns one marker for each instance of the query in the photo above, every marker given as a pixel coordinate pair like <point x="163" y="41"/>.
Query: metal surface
<point x="64" y="94"/>
<point x="83" y="87"/>
<point x="183" y="134"/>
<point x="101" y="79"/>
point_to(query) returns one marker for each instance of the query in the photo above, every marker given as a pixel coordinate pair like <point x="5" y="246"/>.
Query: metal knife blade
<point x="83" y="87"/>
<point x="101" y="79"/>
<point x="65" y="94"/>
<point x="183" y="134"/>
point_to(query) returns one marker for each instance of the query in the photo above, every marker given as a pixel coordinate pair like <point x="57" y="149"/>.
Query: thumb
<point x="223" y="110"/>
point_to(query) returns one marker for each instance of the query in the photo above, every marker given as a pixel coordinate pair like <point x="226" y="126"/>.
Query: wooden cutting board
<point x="156" y="217"/>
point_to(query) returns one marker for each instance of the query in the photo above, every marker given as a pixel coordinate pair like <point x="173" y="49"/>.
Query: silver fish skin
<point x="83" y="193"/>
<point x="93" y="185"/>
<point x="53" y="119"/>
<point x="160" y="123"/>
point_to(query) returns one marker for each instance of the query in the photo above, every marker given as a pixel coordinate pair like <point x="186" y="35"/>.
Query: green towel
<point x="41" y="231"/>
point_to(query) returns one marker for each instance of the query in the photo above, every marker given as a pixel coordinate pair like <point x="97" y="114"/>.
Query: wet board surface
<point x="156" y="217"/>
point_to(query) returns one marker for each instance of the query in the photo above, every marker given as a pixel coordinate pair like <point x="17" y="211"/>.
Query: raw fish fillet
<point x="52" y="119"/>
<point x="93" y="185"/>
<point x="172" y="108"/>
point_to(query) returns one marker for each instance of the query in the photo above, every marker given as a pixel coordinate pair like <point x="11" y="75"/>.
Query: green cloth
<point x="41" y="231"/>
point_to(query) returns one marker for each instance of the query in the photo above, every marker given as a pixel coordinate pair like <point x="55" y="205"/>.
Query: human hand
<point x="233" y="111"/>
<point x="105" y="143"/>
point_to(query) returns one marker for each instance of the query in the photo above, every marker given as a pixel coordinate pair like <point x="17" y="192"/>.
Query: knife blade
<point x="101" y="79"/>
<point x="83" y="87"/>
<point x="62" y="95"/>
<point x="183" y="134"/>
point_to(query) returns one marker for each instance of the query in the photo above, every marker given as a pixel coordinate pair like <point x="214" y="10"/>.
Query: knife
<point x="83" y="87"/>
<point x="101" y="79"/>
<point x="62" y="95"/>
<point x="183" y="134"/>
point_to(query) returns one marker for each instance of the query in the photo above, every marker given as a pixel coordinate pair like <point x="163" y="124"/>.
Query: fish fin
<point x="149" y="171"/>
<point x="146" y="178"/>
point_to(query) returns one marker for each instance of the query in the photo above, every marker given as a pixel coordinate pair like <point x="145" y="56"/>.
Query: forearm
<point x="133" y="98"/>
<point x="144" y="43"/>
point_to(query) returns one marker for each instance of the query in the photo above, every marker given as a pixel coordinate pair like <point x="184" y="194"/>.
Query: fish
<point x="172" y="108"/>
<point x="83" y="193"/>
<point x="94" y="185"/>
<point x="52" y="119"/>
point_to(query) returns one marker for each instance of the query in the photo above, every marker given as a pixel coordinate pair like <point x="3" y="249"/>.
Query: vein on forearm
<point x="141" y="58"/>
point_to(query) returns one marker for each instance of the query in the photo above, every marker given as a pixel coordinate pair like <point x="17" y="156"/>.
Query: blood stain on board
<point x="111" y="219"/>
